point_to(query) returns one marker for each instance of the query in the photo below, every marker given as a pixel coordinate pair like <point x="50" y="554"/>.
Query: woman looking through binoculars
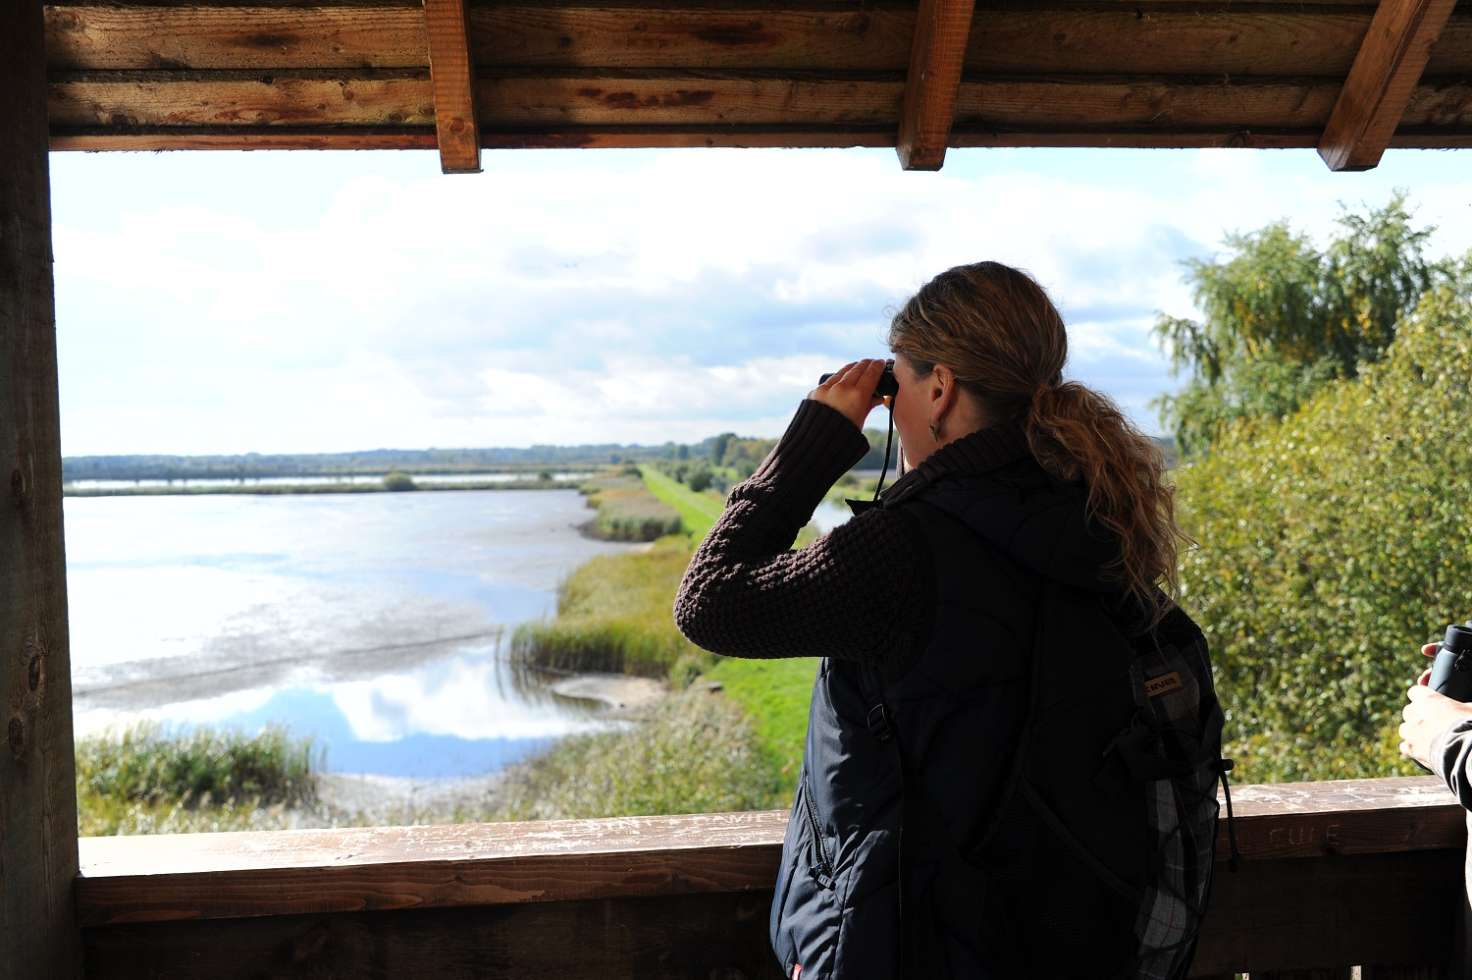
<point x="1031" y="506"/>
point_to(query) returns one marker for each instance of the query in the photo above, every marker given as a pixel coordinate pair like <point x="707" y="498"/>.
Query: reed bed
<point x="626" y="510"/>
<point x="143" y="779"/>
<point x="615" y="614"/>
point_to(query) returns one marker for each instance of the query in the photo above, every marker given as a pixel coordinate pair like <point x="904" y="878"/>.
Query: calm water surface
<point x="374" y="622"/>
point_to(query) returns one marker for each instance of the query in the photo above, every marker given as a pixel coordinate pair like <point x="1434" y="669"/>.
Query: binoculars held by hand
<point x="1451" y="672"/>
<point x="888" y="385"/>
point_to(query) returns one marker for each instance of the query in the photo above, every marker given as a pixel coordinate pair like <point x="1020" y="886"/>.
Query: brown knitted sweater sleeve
<point x="862" y="592"/>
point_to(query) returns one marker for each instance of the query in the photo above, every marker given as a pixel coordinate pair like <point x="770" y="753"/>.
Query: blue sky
<point x="299" y="302"/>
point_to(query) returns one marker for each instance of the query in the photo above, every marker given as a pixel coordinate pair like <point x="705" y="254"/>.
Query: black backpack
<point x="1103" y="845"/>
<point x="1098" y="858"/>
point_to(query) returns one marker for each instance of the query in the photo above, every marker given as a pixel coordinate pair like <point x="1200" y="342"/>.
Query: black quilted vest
<point x="870" y="884"/>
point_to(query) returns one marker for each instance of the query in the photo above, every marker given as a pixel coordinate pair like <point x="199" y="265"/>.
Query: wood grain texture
<point x="363" y="869"/>
<point x="143" y="38"/>
<point x="1153" y="38"/>
<point x="215" y="875"/>
<point x="1332" y="912"/>
<point x="1272" y="915"/>
<point x="1380" y="85"/>
<point x="452" y="79"/>
<point x="38" y="806"/>
<point x="712" y="937"/>
<point x="937" y="57"/>
<point x="120" y="101"/>
<point x="619" y="137"/>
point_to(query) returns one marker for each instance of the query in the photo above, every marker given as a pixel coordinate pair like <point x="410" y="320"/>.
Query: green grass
<point x="775" y="695"/>
<point x="615" y="613"/>
<point x="698" y="510"/>
<point x="142" y="780"/>
<point x="697" y="753"/>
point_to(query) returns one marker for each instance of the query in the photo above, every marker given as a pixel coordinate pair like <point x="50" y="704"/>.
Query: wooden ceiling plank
<point x="453" y="82"/>
<point x="131" y="103"/>
<point x="1381" y="81"/>
<point x="937" y="55"/>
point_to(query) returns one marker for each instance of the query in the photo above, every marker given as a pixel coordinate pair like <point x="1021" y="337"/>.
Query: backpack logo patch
<point x="1164" y="684"/>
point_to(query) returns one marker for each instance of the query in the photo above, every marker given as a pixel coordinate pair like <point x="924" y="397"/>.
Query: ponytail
<point x="1077" y="434"/>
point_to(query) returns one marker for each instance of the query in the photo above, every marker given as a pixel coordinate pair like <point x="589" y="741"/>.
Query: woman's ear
<point x="941" y="387"/>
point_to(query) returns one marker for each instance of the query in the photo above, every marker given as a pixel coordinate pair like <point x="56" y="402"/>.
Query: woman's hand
<point x="851" y="390"/>
<point x="1428" y="715"/>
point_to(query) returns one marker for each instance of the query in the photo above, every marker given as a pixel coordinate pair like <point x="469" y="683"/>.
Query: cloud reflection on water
<point x="372" y="623"/>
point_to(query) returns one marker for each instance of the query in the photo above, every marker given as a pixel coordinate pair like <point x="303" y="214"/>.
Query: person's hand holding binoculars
<point x="851" y="390"/>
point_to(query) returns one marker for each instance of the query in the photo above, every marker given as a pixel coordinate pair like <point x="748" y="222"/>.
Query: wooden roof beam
<point x="452" y="79"/>
<point x="1385" y="72"/>
<point x="937" y="56"/>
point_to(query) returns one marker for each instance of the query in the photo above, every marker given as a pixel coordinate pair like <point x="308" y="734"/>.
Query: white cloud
<point x="344" y="302"/>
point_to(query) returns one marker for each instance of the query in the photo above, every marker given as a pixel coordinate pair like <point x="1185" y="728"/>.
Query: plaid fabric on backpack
<point x="1106" y="833"/>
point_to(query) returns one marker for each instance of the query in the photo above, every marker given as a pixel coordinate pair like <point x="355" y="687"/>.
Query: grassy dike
<point x="695" y="752"/>
<point x="773" y="693"/>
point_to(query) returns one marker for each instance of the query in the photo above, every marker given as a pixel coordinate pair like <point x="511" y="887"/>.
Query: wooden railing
<point x="1332" y="876"/>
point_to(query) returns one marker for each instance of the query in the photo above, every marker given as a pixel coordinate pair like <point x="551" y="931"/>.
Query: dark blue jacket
<point x="872" y="881"/>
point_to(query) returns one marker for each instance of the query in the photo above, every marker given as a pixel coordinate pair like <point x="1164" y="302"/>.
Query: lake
<point x="373" y="622"/>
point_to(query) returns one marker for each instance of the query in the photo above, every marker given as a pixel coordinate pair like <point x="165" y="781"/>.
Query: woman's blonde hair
<point x="996" y="328"/>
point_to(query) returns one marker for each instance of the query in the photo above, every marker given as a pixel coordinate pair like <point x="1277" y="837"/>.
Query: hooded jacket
<point x="871" y="883"/>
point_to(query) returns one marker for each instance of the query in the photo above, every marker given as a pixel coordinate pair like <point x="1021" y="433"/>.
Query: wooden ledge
<point x="203" y="876"/>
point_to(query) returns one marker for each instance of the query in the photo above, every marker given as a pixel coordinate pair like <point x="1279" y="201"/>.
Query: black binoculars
<point x="1451" y="671"/>
<point x="887" y="383"/>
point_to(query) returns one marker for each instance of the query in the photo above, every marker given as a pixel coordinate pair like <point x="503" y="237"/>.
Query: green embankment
<point x="614" y="614"/>
<point x="773" y="693"/>
<point x="697" y="509"/>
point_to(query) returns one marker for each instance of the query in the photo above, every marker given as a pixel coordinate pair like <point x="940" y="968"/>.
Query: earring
<point x="935" y="432"/>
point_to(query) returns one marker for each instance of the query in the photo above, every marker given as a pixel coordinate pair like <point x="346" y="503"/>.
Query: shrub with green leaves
<point x="398" y="481"/>
<point x="1331" y="545"/>
<point x="1282" y="318"/>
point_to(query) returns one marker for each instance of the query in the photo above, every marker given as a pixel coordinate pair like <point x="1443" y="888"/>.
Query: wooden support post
<point x="937" y="56"/>
<point x="453" y="80"/>
<point x="1385" y="72"/>
<point x="38" y="802"/>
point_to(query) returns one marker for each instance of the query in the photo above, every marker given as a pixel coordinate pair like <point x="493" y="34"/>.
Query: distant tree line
<point x="368" y="462"/>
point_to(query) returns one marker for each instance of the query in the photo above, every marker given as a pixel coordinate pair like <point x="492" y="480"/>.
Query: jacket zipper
<point x="825" y="866"/>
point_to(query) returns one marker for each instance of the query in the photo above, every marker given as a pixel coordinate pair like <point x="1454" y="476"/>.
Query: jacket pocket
<point x="805" y="916"/>
<point x="822" y="867"/>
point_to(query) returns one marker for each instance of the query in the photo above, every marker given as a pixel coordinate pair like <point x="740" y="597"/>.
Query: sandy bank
<point x="620" y="692"/>
<point x="396" y="799"/>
